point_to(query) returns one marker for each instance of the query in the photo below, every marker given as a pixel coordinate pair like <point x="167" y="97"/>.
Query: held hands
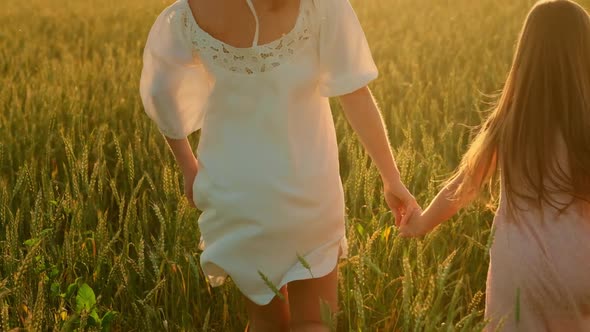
<point x="400" y="201"/>
<point x="415" y="225"/>
<point x="409" y="217"/>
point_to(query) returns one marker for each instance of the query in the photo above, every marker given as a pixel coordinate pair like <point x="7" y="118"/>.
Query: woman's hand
<point x="189" y="180"/>
<point x="400" y="201"/>
<point x="365" y="118"/>
<point x="189" y="165"/>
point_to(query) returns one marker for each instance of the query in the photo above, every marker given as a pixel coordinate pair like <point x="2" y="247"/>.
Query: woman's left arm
<point x="365" y="118"/>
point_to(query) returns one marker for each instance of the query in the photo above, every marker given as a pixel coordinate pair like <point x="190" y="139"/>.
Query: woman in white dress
<point x="255" y="76"/>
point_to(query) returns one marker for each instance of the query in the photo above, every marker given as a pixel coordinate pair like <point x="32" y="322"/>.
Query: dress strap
<point x="257" y="33"/>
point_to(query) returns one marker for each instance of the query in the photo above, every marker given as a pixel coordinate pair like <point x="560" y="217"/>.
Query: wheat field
<point x="96" y="236"/>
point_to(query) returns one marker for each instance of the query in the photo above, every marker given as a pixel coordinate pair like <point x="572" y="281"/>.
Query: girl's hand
<point x="189" y="180"/>
<point x="415" y="226"/>
<point x="400" y="201"/>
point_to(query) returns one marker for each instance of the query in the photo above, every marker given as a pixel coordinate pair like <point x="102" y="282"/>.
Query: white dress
<point x="269" y="186"/>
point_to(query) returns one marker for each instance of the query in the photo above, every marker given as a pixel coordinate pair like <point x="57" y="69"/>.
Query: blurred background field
<point x="95" y="234"/>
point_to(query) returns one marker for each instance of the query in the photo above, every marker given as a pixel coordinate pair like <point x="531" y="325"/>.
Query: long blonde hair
<point x="546" y="97"/>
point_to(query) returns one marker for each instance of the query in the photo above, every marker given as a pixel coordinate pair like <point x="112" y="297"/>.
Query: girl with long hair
<point x="538" y="141"/>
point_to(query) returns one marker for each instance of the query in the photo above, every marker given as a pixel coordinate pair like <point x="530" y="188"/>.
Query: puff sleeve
<point x="174" y="85"/>
<point x="345" y="58"/>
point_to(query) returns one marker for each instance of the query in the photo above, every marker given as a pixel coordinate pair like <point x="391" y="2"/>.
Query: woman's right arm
<point x="174" y="88"/>
<point x="187" y="163"/>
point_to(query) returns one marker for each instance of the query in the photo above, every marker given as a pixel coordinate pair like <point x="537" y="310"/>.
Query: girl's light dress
<point x="539" y="275"/>
<point x="268" y="186"/>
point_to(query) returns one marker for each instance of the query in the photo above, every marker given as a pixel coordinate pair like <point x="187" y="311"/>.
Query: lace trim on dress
<point x="251" y="60"/>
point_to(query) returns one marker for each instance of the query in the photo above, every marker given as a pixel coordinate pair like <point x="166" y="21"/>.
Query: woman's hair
<point x="545" y="103"/>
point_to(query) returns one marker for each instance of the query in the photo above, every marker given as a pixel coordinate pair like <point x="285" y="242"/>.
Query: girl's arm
<point x="187" y="162"/>
<point x="364" y="117"/>
<point x="446" y="204"/>
<point x="443" y="207"/>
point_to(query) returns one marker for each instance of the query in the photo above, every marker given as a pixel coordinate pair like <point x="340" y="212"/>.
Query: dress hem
<point x="297" y="272"/>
